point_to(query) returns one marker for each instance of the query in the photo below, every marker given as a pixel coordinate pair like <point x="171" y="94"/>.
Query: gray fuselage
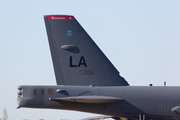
<point x="156" y="102"/>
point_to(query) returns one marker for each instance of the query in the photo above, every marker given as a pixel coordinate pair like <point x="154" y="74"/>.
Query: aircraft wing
<point x="89" y="99"/>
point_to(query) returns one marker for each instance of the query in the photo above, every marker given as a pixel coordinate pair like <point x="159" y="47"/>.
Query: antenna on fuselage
<point x="164" y="83"/>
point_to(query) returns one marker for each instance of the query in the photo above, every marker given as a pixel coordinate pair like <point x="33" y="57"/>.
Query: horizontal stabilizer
<point x="89" y="99"/>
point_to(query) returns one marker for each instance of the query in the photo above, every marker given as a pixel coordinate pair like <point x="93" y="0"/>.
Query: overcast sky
<point x="141" y="38"/>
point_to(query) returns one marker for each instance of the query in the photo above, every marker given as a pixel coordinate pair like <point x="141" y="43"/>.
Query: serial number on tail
<point x="86" y="72"/>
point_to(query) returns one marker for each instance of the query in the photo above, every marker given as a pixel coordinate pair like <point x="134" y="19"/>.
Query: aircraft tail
<point x="76" y="58"/>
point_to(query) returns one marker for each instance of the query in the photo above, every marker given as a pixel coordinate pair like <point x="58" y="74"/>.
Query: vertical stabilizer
<point x="76" y="58"/>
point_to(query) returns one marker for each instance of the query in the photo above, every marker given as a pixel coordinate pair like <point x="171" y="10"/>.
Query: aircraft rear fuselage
<point x="131" y="101"/>
<point x="79" y="65"/>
